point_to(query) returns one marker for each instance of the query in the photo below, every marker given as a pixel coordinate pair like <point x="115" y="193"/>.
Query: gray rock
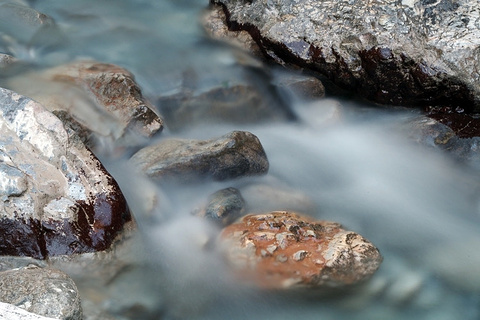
<point x="56" y="196"/>
<point x="301" y="86"/>
<point x="393" y="52"/>
<point x="78" y="91"/>
<point x="6" y="59"/>
<point x="214" y="23"/>
<point x="236" y="104"/>
<point x="434" y="134"/>
<point x="233" y="155"/>
<point x="46" y="292"/>
<point x="11" y="312"/>
<point x="224" y="206"/>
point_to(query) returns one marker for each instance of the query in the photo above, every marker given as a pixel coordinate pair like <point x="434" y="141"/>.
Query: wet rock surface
<point x="282" y="250"/>
<point x="43" y="291"/>
<point x="408" y="52"/>
<point x="224" y="206"/>
<point x="233" y="155"/>
<point x="77" y="91"/>
<point x="56" y="196"/>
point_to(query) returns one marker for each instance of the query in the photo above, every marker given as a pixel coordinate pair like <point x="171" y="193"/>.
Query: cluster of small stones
<point x="283" y="249"/>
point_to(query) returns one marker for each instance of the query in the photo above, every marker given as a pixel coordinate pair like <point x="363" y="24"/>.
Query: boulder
<point x="283" y="250"/>
<point x="410" y="52"/>
<point x="236" y="154"/>
<point x="42" y="291"/>
<point x="92" y="97"/>
<point x="224" y="206"/>
<point x="56" y="197"/>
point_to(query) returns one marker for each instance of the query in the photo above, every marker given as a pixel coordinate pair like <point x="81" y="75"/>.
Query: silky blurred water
<point x="353" y="160"/>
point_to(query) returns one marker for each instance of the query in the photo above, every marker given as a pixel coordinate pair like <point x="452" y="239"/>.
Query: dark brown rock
<point x="233" y="155"/>
<point x="56" y="196"/>
<point x="282" y="250"/>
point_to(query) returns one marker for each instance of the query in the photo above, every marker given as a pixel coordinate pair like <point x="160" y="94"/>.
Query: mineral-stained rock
<point x="56" y="197"/>
<point x="233" y="155"/>
<point x="224" y="206"/>
<point x="43" y="291"/>
<point x="393" y="52"/>
<point x="282" y="249"/>
<point x="92" y="97"/>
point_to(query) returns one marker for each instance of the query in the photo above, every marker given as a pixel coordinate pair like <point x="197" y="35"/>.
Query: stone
<point x="43" y="291"/>
<point x="462" y="144"/>
<point x="412" y="52"/>
<point x="215" y="24"/>
<point x="235" y="104"/>
<point x="224" y="206"/>
<point x="282" y="249"/>
<point x="6" y="59"/>
<point x="77" y="91"/>
<point x="236" y="154"/>
<point x="301" y="86"/>
<point x="56" y="197"/>
<point x="11" y="312"/>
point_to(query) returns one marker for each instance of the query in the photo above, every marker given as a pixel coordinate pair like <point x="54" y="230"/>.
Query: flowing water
<point x="353" y="160"/>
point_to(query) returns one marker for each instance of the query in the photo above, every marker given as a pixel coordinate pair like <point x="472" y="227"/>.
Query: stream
<point x="355" y="162"/>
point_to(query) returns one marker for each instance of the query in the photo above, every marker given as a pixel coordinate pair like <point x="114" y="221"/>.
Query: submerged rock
<point x="56" y="197"/>
<point x="393" y="52"/>
<point x="282" y="250"/>
<point x="92" y="97"/>
<point x="233" y="155"/>
<point x="42" y="291"/>
<point x="224" y="206"/>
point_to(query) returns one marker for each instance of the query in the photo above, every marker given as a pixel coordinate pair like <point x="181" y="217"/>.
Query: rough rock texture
<point x="11" y="312"/>
<point x="80" y="90"/>
<point x="56" y="197"/>
<point x="282" y="249"/>
<point x="46" y="292"/>
<point x="224" y="206"/>
<point x="6" y="59"/>
<point x="233" y="155"/>
<point x="394" y="52"/>
<point x="215" y="24"/>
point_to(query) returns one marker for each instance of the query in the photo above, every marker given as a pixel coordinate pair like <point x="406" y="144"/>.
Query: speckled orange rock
<point x="283" y="249"/>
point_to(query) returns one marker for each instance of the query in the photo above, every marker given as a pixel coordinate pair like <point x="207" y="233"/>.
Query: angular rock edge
<point x="382" y="76"/>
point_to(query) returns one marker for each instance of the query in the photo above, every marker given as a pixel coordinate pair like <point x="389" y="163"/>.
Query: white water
<point x="418" y="207"/>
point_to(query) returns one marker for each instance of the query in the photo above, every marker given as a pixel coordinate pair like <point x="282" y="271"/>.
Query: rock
<point x="43" y="291"/>
<point x="6" y="59"/>
<point x="56" y="197"/>
<point x="429" y="132"/>
<point x="11" y="312"/>
<point x="215" y="24"/>
<point x="236" y="104"/>
<point x="410" y="52"/>
<point x="224" y="206"/>
<point x="301" y="86"/>
<point x="92" y="97"/>
<point x="282" y="250"/>
<point x="24" y="30"/>
<point x="233" y="155"/>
